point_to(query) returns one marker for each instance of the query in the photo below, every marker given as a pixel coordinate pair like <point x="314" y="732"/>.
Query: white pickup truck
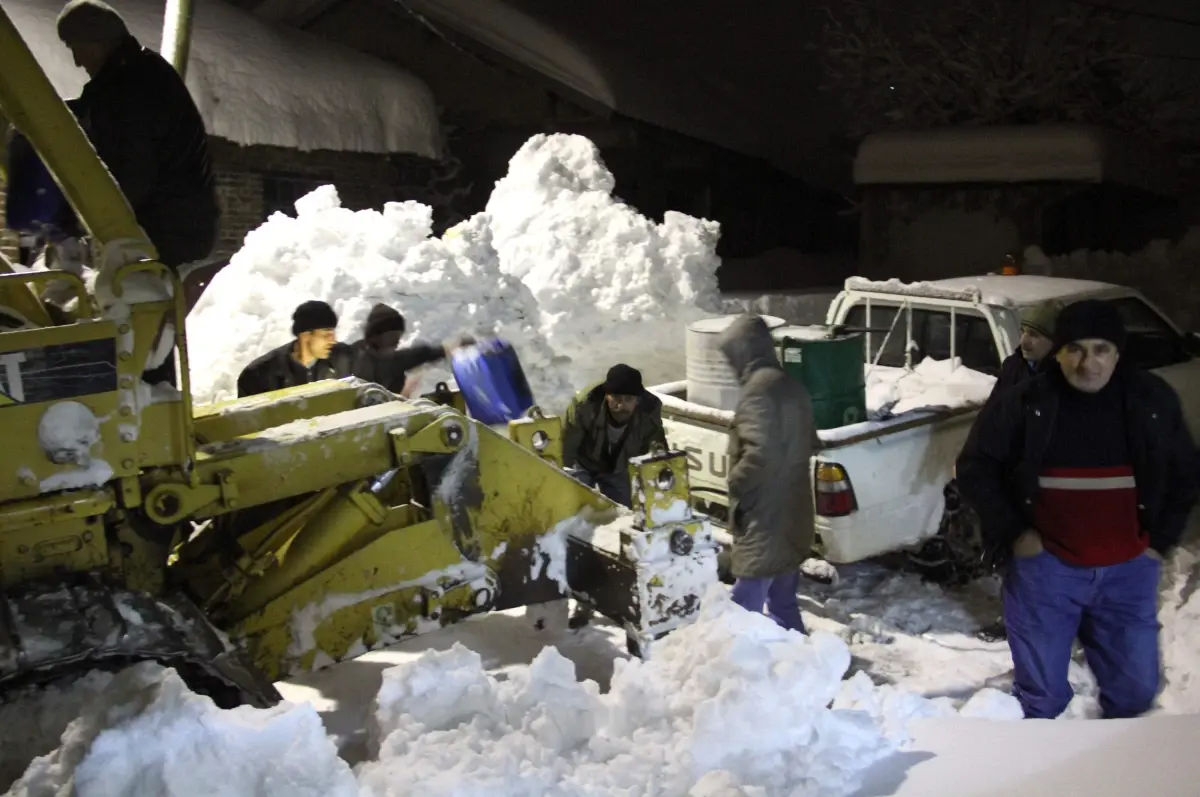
<point x="880" y="484"/>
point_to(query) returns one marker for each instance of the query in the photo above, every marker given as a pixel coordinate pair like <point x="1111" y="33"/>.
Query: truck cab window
<point x="973" y="344"/>
<point x="1152" y="341"/>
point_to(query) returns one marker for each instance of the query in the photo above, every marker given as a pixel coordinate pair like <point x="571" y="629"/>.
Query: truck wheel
<point x="955" y="555"/>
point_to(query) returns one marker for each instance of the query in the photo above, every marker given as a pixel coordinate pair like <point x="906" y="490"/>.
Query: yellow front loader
<point x="247" y="541"/>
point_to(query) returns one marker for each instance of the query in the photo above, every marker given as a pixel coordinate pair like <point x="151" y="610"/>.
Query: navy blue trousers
<point x="777" y="594"/>
<point x="1113" y="611"/>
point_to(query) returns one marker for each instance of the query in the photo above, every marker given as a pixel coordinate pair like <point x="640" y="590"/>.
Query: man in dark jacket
<point x="771" y="445"/>
<point x="608" y="424"/>
<point x="315" y="354"/>
<point x="139" y="116"/>
<point x="1084" y="478"/>
<point x="381" y="336"/>
<point x="1034" y="349"/>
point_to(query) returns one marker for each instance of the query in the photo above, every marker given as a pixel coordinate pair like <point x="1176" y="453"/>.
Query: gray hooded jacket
<point x="770" y="451"/>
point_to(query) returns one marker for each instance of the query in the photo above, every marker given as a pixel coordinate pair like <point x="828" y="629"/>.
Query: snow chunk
<point x="147" y="735"/>
<point x="730" y="705"/>
<point x="932" y="384"/>
<point x="67" y="433"/>
<point x="554" y="267"/>
<point x="256" y="83"/>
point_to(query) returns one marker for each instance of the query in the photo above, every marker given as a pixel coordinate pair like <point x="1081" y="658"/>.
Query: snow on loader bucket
<point x="247" y="541"/>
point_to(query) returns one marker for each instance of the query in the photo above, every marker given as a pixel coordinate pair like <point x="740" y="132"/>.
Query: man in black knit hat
<point x="1083" y="477"/>
<point x="315" y="353"/>
<point x="377" y="359"/>
<point x="606" y="425"/>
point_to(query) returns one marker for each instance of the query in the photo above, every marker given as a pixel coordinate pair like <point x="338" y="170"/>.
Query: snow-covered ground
<point x="908" y="638"/>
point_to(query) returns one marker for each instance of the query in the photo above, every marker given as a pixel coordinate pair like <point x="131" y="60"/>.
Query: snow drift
<point x="732" y="704"/>
<point x="147" y="735"/>
<point x="574" y="278"/>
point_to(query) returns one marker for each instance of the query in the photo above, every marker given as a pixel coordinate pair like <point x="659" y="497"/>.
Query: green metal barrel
<point x="831" y="368"/>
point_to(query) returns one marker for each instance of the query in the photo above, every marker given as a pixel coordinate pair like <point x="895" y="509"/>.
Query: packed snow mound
<point x="146" y="735"/>
<point x="32" y="723"/>
<point x="594" y="264"/>
<point x="353" y="260"/>
<point x="931" y="384"/>
<point x="730" y="705"/>
<point x="573" y="278"/>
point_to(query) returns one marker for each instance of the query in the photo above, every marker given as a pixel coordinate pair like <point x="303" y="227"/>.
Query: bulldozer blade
<point x="54" y="630"/>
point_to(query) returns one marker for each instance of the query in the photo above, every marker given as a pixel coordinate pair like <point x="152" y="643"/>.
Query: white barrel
<point x="710" y="380"/>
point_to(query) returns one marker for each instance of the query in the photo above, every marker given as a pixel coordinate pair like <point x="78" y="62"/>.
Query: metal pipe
<point x="177" y="34"/>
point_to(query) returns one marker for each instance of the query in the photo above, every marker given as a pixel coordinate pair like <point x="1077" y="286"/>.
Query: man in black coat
<point x="315" y="354"/>
<point x="139" y="116"/>
<point x="1084" y="478"/>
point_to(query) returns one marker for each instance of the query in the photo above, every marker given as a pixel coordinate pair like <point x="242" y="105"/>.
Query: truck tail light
<point x="835" y="496"/>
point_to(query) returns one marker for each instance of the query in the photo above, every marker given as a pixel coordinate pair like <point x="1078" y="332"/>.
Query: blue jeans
<point x="1114" y="613"/>
<point x="778" y="594"/>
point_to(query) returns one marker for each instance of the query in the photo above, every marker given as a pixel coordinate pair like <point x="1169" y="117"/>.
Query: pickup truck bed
<point x="896" y="468"/>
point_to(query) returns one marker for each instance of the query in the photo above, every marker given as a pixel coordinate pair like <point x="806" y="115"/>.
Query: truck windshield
<point x="974" y="342"/>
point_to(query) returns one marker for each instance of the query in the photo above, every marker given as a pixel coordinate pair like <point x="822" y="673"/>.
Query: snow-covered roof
<point x="1020" y="290"/>
<point x="1060" y="153"/>
<point x="259" y="84"/>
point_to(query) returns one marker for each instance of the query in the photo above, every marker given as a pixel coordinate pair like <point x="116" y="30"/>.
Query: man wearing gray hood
<point x="771" y="444"/>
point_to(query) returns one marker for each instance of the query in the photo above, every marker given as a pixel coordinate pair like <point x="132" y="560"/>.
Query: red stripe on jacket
<point x="1089" y="516"/>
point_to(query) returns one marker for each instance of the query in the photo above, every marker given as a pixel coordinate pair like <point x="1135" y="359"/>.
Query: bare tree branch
<point x="978" y="62"/>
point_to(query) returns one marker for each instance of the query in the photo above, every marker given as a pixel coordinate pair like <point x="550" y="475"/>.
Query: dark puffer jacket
<point x="999" y="466"/>
<point x="771" y="446"/>
<point x="139" y="116"/>
<point x="585" y="432"/>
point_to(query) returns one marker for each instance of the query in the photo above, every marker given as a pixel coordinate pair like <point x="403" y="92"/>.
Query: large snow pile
<point x="729" y="705"/>
<point x="931" y="384"/>
<point x="574" y="278"/>
<point x="594" y="264"/>
<point x="255" y="83"/>
<point x="146" y="735"/>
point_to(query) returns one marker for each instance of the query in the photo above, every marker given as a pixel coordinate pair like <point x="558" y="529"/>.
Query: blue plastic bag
<point x="492" y="382"/>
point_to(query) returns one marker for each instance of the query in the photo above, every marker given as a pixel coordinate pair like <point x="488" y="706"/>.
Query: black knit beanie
<point x="622" y="380"/>
<point x="1090" y="318"/>
<point x="313" y="315"/>
<point x="383" y="319"/>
